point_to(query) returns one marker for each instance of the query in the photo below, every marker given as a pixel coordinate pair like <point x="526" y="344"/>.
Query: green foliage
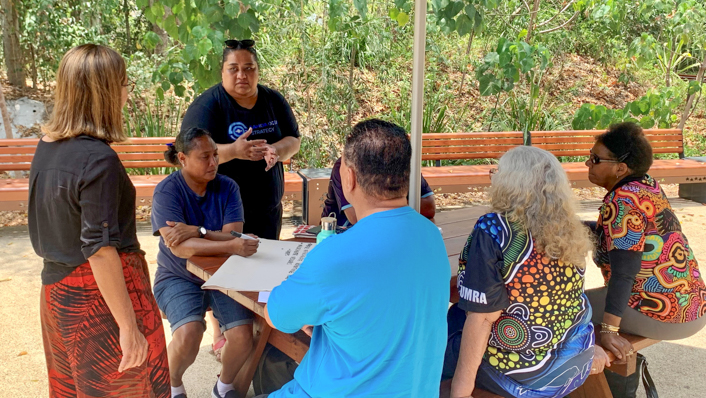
<point x="160" y="118"/>
<point x="502" y="68"/>
<point x="201" y="27"/>
<point x="464" y="16"/>
<point x="654" y="109"/>
<point x="683" y="27"/>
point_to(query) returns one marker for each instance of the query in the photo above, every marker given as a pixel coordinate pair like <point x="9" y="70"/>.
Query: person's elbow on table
<point x="272" y="324"/>
<point x="182" y="251"/>
<point x="267" y="317"/>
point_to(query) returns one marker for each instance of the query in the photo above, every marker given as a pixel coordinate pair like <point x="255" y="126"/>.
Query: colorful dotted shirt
<point x="545" y="317"/>
<point x="637" y="216"/>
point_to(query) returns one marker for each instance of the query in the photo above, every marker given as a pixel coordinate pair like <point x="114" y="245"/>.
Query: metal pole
<point x="420" y="33"/>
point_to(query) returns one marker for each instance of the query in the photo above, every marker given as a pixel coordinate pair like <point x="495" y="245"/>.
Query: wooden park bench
<point x="139" y="156"/>
<point x="490" y="146"/>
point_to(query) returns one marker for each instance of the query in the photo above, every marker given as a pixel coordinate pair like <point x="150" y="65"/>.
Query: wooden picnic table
<point x="455" y="225"/>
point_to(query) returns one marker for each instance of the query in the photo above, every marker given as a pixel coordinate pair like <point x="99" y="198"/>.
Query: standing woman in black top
<point x="101" y="327"/>
<point x="255" y="130"/>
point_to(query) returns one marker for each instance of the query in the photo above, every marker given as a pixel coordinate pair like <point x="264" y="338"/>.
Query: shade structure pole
<point x="419" y="47"/>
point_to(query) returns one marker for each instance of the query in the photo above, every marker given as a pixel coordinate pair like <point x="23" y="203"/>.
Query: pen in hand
<point x="243" y="236"/>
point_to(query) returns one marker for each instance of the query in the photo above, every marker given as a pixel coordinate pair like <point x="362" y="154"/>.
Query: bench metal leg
<point x="695" y="192"/>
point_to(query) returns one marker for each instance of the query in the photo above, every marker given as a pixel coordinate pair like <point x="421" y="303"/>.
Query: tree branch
<point x="557" y="14"/>
<point x="560" y="26"/>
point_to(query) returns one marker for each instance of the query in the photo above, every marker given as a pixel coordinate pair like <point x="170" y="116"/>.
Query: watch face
<point x="202" y="231"/>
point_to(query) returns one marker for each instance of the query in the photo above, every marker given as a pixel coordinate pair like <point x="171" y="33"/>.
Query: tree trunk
<point x="351" y="66"/>
<point x="690" y="99"/>
<point x="668" y="76"/>
<point x="468" y="51"/>
<point x="163" y="35"/>
<point x="34" y="66"/>
<point x="6" y="121"/>
<point x="533" y="18"/>
<point x="11" y="44"/>
<point x="126" y="9"/>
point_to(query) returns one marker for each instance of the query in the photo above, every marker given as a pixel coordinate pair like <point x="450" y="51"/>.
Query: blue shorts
<point x="184" y="301"/>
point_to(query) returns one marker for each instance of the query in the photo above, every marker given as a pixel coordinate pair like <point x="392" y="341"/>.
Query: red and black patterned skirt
<point x="82" y="339"/>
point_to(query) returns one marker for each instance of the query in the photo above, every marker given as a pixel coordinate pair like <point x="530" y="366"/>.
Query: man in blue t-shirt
<point x="378" y="312"/>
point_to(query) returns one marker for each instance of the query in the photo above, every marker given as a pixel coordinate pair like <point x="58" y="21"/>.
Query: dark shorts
<point x="184" y="301"/>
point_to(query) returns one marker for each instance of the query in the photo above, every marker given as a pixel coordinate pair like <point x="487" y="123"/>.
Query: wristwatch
<point x="202" y="232"/>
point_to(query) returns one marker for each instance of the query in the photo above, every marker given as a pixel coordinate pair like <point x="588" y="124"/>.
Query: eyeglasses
<point x="130" y="85"/>
<point x="596" y="160"/>
<point x="237" y="44"/>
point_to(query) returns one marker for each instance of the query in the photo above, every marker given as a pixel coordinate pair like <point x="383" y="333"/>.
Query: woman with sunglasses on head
<point x="101" y="326"/>
<point x="255" y="130"/>
<point x="653" y="284"/>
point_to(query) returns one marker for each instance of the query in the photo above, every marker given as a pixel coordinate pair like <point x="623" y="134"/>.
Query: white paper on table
<point x="273" y="263"/>
<point x="262" y="297"/>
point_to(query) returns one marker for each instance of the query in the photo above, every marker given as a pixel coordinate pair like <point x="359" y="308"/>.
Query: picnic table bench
<point x="690" y="173"/>
<point x="137" y="155"/>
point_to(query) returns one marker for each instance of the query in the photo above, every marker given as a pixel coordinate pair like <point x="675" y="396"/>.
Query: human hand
<point x="271" y="157"/>
<point x="179" y="232"/>
<point x="134" y="347"/>
<point x="253" y="150"/>
<point x="600" y="360"/>
<point x="245" y="247"/>
<point x="618" y="345"/>
<point x="308" y="329"/>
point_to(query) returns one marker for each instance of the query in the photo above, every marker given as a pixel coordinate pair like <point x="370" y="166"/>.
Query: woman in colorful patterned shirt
<point x="522" y="325"/>
<point x="653" y="284"/>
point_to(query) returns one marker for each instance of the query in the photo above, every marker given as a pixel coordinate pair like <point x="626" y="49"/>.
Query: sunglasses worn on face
<point x="596" y="160"/>
<point x="236" y="44"/>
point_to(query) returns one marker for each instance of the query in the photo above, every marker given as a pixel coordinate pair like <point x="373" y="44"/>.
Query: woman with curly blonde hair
<point x="522" y="326"/>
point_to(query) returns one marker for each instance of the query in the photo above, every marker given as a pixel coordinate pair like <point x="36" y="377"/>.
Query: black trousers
<point x="264" y="223"/>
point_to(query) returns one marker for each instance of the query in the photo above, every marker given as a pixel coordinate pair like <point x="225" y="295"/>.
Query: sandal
<point x="217" y="347"/>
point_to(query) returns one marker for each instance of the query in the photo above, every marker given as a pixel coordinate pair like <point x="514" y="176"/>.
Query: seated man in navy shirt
<point x="194" y="210"/>
<point x="378" y="312"/>
<point x="337" y="204"/>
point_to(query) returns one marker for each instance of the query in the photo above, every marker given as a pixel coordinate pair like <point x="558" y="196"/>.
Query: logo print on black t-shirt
<point x="236" y="130"/>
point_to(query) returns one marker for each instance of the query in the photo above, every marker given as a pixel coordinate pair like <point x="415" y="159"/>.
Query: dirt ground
<point x="676" y="366"/>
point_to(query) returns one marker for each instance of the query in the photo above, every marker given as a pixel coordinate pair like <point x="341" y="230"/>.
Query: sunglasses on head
<point x="596" y="160"/>
<point x="240" y="43"/>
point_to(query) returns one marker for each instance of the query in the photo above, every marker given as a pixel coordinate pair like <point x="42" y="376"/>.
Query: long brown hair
<point x="88" y="93"/>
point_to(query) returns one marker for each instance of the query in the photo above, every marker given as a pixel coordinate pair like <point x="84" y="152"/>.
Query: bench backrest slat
<point x="139" y="152"/>
<point x="480" y="145"/>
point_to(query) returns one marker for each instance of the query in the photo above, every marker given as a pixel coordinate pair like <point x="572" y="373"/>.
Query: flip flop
<point x="217" y="347"/>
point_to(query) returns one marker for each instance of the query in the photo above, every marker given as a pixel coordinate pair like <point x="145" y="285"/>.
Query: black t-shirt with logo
<point x="271" y="119"/>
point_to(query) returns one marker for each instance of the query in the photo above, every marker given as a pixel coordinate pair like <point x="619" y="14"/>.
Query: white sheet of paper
<point x="262" y="297"/>
<point x="273" y="263"/>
